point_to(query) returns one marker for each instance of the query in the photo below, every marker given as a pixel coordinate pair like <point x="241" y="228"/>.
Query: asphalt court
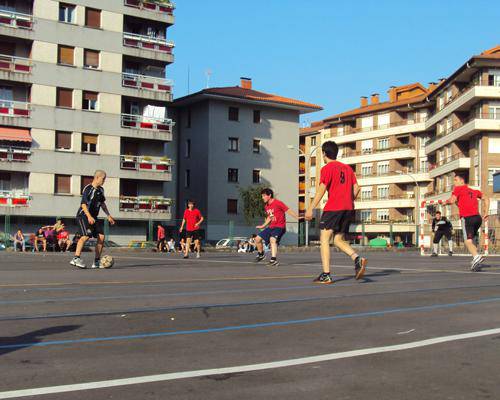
<point x="157" y="327"/>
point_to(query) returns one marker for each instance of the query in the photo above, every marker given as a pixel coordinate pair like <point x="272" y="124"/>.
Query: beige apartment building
<point x="405" y="150"/>
<point x="83" y="86"/>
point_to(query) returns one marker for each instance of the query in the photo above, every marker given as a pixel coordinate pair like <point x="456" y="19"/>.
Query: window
<point x="65" y="55"/>
<point x="367" y="123"/>
<point x="63" y="140"/>
<point x="313" y="141"/>
<point x="424" y="165"/>
<point x="64" y="97"/>
<point x="187" y="178"/>
<point x="366" y="215"/>
<point x="383" y="120"/>
<point x="423" y="141"/>
<point x="232" y="175"/>
<point x="89" y="143"/>
<point x="256" y="176"/>
<point x="92" y="18"/>
<point x="84" y="181"/>
<point x="491" y="172"/>
<point x="232" y="206"/>
<point x="383" y="192"/>
<point x="383" y="168"/>
<point x="313" y="161"/>
<point x="89" y="101"/>
<point x="449" y="124"/>
<point x="66" y="13"/>
<point x="383" y="215"/>
<point x="62" y="184"/>
<point x="383" y="143"/>
<point x="234" y="144"/>
<point x="366" y="169"/>
<point x="256" y="146"/>
<point x="188" y="148"/>
<point x="91" y="58"/>
<point x="494" y="110"/>
<point x="233" y="114"/>
<point x="367" y="146"/>
<point x="366" y="193"/>
<point x="256" y="116"/>
<point x="312" y="182"/>
<point x="188" y="118"/>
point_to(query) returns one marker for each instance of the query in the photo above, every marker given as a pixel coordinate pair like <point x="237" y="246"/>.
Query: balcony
<point x="145" y="42"/>
<point x="14" y="154"/>
<point x="15" y="64"/>
<point x="393" y="177"/>
<point x="143" y="82"/>
<point x="162" y="125"/>
<point x="14" y="198"/>
<point x="400" y="152"/>
<point x="161" y="165"/>
<point x="151" y="204"/>
<point x="165" y="7"/>
<point x="449" y="164"/>
<point x="395" y="201"/>
<point x="9" y="108"/>
<point x="16" y="20"/>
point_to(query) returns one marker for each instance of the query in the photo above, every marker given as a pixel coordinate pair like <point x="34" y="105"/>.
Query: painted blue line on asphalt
<point x="253" y="326"/>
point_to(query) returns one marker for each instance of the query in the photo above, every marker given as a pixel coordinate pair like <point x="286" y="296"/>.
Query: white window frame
<point x="366" y="169"/>
<point x="383" y="120"/>
<point x="383" y="215"/>
<point x="383" y="168"/>
<point x="383" y="144"/>
<point x="367" y="146"/>
<point x="366" y="193"/>
<point x="366" y="215"/>
<point x="491" y="172"/>
<point x="383" y="192"/>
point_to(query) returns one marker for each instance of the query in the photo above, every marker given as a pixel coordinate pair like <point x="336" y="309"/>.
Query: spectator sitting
<point x="58" y="226"/>
<point x="40" y="237"/>
<point x="182" y="244"/>
<point x="63" y="240"/>
<point x="251" y="243"/>
<point x="19" y="239"/>
<point x="50" y="235"/>
<point x="171" y="245"/>
<point x="243" y="247"/>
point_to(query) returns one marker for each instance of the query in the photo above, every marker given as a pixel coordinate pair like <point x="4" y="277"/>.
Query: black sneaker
<point x="450" y="253"/>
<point x="360" y="266"/>
<point x="273" y="263"/>
<point x="185" y="257"/>
<point x="78" y="262"/>
<point x="434" y="255"/>
<point x="260" y="257"/>
<point x="324" y="279"/>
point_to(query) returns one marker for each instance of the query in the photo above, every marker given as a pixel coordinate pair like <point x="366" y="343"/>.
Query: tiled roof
<point x="315" y="127"/>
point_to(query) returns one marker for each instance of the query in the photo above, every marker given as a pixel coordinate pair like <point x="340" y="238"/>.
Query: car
<point x="230" y="243"/>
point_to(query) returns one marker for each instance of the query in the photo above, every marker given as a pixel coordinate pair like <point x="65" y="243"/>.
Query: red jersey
<point x="339" y="180"/>
<point x="276" y="211"/>
<point x="161" y="232"/>
<point x="192" y="217"/>
<point x="467" y="200"/>
<point x="63" y="235"/>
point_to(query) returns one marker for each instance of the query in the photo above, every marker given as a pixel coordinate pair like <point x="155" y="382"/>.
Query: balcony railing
<point x="166" y="7"/>
<point x="146" y="163"/>
<point x="447" y="160"/>
<point x="407" y="196"/>
<point x="146" y="123"/>
<point x="147" y="42"/>
<point x="15" y="64"/>
<point x="16" y="20"/>
<point x="374" y="220"/>
<point x="9" y="108"/>
<point x="146" y="82"/>
<point x="14" y="198"/>
<point x="12" y="153"/>
<point x="393" y="173"/>
<point x="448" y="189"/>
<point x="145" y="204"/>
<point x="366" y="152"/>
<point x="350" y="130"/>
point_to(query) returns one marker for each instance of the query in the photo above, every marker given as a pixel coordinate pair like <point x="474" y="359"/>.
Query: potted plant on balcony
<point x="163" y="164"/>
<point x="146" y="163"/>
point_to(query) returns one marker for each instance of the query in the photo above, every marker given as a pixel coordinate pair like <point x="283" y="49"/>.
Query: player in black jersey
<point x="441" y="226"/>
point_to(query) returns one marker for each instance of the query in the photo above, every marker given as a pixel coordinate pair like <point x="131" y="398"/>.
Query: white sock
<point x="450" y="245"/>
<point x="435" y="247"/>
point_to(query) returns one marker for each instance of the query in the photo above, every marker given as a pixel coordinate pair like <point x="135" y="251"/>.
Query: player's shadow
<point x="10" y="344"/>
<point x="385" y="272"/>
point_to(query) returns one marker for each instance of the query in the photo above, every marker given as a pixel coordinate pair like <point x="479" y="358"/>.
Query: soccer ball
<point x="107" y="262"/>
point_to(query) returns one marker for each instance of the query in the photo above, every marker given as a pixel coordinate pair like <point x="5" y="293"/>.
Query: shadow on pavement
<point x="12" y="343"/>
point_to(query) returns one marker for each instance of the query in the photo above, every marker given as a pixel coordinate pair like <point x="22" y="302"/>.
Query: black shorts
<point x="336" y="221"/>
<point x="193" y="235"/>
<point x="471" y="226"/>
<point x="438" y="235"/>
<point x="89" y="230"/>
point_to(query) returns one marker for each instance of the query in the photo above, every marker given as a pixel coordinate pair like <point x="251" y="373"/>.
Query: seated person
<point x="40" y="238"/>
<point x="171" y="245"/>
<point x="63" y="240"/>
<point x="19" y="240"/>
<point x="50" y="235"/>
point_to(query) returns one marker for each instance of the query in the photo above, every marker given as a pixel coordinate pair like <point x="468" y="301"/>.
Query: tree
<point x="253" y="208"/>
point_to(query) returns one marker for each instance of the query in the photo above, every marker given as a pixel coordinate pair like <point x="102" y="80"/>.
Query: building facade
<point x="82" y="87"/>
<point x="407" y="149"/>
<point x="232" y="138"/>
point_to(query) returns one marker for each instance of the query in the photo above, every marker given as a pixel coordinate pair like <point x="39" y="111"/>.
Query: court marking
<point x="253" y="326"/>
<point x="245" y="368"/>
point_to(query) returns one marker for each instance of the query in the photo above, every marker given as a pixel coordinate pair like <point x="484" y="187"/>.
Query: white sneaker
<point x="476" y="263"/>
<point x="198" y="255"/>
<point x="78" y="262"/>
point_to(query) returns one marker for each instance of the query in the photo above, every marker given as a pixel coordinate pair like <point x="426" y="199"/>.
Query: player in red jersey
<point x="192" y="219"/>
<point x="274" y="227"/>
<point x="466" y="199"/>
<point x="340" y="182"/>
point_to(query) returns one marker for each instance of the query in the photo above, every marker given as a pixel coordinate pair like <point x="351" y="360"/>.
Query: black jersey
<point x="442" y="225"/>
<point x="93" y="197"/>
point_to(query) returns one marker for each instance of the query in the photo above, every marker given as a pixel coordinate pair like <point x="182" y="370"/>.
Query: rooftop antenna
<point x="208" y="73"/>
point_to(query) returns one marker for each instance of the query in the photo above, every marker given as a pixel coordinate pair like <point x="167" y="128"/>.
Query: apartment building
<point x="406" y="150"/>
<point x="231" y="138"/>
<point x="83" y="86"/>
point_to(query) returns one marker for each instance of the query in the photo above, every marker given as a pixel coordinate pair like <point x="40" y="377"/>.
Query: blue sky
<point x="327" y="52"/>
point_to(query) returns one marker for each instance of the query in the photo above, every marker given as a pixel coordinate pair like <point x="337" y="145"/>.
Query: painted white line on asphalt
<point x="242" y="368"/>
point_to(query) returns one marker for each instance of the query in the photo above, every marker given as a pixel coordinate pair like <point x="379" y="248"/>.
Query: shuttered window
<point x="89" y="143"/>
<point x="232" y="206"/>
<point x="62" y="184"/>
<point x="84" y="181"/>
<point x="92" y="17"/>
<point x="64" y="97"/>
<point x="63" y="140"/>
<point x="91" y="58"/>
<point x="90" y="101"/>
<point x="66" y="55"/>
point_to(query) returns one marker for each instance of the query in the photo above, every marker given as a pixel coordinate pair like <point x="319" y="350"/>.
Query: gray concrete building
<point x="231" y="138"/>
<point x="83" y="86"/>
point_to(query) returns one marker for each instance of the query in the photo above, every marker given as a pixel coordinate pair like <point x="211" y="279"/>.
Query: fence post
<point x="230" y="229"/>
<point x="391" y="235"/>
<point x="150" y="230"/>
<point x="363" y="234"/>
<point x="7" y="225"/>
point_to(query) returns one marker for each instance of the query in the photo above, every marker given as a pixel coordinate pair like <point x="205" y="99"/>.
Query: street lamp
<point x="417" y="198"/>
<point x="308" y="159"/>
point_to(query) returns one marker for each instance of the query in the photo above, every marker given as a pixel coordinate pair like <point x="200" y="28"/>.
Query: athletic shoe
<point x="273" y="263"/>
<point x="324" y="279"/>
<point x="360" y="266"/>
<point x="475" y="264"/>
<point x="450" y="253"/>
<point x="78" y="262"/>
<point x="185" y="257"/>
<point x="260" y="257"/>
<point x="198" y="255"/>
<point x="96" y="264"/>
<point x="434" y="255"/>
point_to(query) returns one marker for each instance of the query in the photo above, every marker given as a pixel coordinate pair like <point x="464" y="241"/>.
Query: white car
<point x="230" y="243"/>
